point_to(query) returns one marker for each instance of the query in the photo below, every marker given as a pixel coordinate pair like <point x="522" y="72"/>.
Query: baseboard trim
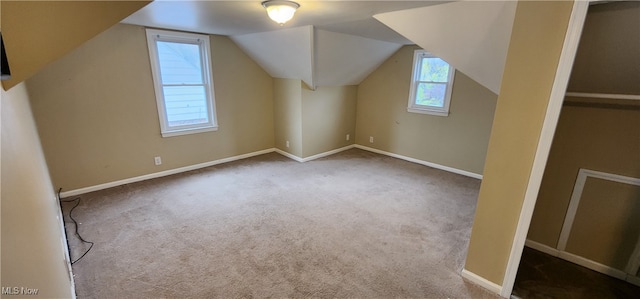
<point x="162" y="173"/>
<point x="578" y="260"/>
<point x="314" y="157"/>
<point x="595" y="266"/>
<point x="289" y="155"/>
<point x="542" y="248"/>
<point x="481" y="281"/>
<point x="257" y="153"/>
<point x="425" y="163"/>
<point x="329" y="153"/>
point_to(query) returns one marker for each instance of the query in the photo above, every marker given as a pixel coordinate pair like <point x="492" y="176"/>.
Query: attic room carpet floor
<point x="352" y="225"/>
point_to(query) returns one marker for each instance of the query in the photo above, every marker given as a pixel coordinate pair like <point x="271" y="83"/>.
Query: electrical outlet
<point x="287" y="143"/>
<point x="370" y="139"/>
<point x="347" y="137"/>
<point x="157" y="160"/>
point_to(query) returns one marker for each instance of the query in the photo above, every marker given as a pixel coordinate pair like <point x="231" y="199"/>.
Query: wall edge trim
<point x="154" y="175"/>
<point x="162" y="173"/>
<point x="542" y="247"/>
<point x="543" y="147"/>
<point x="422" y="162"/>
<point x="481" y="281"/>
<point x="314" y="157"/>
<point x="289" y="155"/>
<point x="582" y="261"/>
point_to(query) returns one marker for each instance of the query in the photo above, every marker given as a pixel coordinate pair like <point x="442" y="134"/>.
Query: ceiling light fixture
<point x="280" y="11"/>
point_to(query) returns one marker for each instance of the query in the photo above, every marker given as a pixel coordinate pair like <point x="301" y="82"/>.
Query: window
<point x="431" y="84"/>
<point x="182" y="81"/>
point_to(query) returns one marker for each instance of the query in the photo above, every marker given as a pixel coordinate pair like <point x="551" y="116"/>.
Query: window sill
<point x="188" y="131"/>
<point x="426" y="111"/>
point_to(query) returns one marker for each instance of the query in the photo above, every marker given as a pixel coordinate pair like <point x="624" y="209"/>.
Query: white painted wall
<point x="473" y="36"/>
<point x="33" y="252"/>
<point x="285" y="53"/>
<point x="343" y="59"/>
<point x="317" y="57"/>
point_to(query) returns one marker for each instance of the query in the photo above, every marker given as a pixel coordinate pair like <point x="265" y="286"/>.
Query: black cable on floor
<point x="77" y="200"/>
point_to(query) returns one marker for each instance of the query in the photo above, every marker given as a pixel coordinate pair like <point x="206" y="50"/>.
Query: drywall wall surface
<point x="607" y="60"/>
<point x="33" y="255"/>
<point x="96" y="111"/>
<point x="287" y="98"/>
<point x="534" y="51"/>
<point x="35" y="33"/>
<point x="284" y="53"/>
<point x="471" y="35"/>
<point x="344" y="59"/>
<point x="459" y="140"/>
<point x="596" y="134"/>
<point x="607" y="223"/>
<point x="328" y="115"/>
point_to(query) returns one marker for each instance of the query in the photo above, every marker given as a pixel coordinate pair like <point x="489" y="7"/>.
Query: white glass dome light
<point x="280" y="11"/>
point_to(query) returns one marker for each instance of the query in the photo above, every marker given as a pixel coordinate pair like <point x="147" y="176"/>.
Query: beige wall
<point x="313" y="121"/>
<point x="33" y="255"/>
<point x="607" y="60"/>
<point x="328" y="115"/>
<point x="536" y="43"/>
<point x="36" y="33"/>
<point x="607" y="223"/>
<point x="287" y="101"/>
<point x="459" y="140"/>
<point x="96" y="111"/>
<point x="592" y="136"/>
<point x="597" y="134"/>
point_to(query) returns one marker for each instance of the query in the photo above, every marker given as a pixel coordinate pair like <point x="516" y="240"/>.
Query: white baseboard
<point x="634" y="280"/>
<point x="310" y="158"/>
<point x="595" y="266"/>
<point x="425" y="163"/>
<point x="481" y="281"/>
<point x="584" y="262"/>
<point x="248" y="155"/>
<point x="329" y="153"/>
<point x="162" y="173"/>
<point x="288" y="155"/>
<point x="542" y="247"/>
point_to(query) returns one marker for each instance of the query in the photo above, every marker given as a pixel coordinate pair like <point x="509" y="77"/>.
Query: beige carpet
<point x="352" y="225"/>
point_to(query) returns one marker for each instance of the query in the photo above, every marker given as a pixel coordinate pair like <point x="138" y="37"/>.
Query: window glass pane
<point x="431" y="94"/>
<point x="179" y="63"/>
<point x="185" y="105"/>
<point x="434" y="70"/>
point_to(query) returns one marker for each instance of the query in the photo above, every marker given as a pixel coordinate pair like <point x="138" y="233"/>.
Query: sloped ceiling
<point x="284" y="53"/>
<point x="317" y="57"/>
<point x="343" y="59"/>
<point x="473" y="36"/>
<point x="341" y="42"/>
<point x="35" y="33"/>
<point x="327" y="43"/>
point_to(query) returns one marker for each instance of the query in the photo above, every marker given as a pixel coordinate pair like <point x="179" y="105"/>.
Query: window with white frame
<point x="182" y="79"/>
<point x="431" y="83"/>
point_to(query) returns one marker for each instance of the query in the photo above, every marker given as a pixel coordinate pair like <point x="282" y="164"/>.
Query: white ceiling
<point x="248" y="16"/>
<point x="333" y="43"/>
<point x="478" y="46"/>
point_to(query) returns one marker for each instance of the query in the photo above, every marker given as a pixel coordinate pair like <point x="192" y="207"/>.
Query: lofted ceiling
<point x="327" y="43"/>
<point x="248" y="16"/>
<point x="333" y="43"/>
<point x="478" y="46"/>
